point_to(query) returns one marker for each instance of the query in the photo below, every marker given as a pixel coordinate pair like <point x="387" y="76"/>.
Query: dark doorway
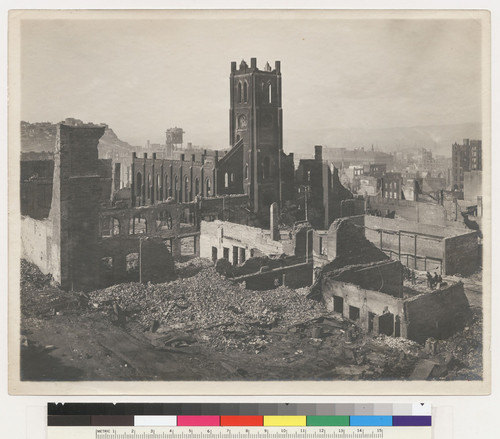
<point x="214" y="254"/>
<point x="397" y="327"/>
<point x="226" y="253"/>
<point x="235" y="255"/>
<point x="386" y="324"/>
<point x="353" y="313"/>
<point x="371" y="318"/>
<point x="338" y="304"/>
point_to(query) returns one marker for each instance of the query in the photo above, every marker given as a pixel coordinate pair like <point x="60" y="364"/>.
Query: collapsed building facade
<point x="360" y="282"/>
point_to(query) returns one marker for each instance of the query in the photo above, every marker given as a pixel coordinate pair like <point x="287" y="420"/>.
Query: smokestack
<point x="318" y="153"/>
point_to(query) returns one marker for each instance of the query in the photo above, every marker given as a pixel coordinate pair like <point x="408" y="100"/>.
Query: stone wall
<point x="462" y="254"/>
<point x="372" y="305"/>
<point x="438" y="314"/>
<point x="35" y="242"/>
<point x="255" y="241"/>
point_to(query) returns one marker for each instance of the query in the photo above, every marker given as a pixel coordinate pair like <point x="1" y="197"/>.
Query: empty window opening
<point x="245" y="92"/>
<point x="138" y="225"/>
<point x="242" y="255"/>
<point x="269" y="93"/>
<point x="197" y="186"/>
<point x="353" y="313"/>
<point x="226" y="253"/>
<point x="338" y="304"/>
<point x="235" y="255"/>
<point x="187" y="192"/>
<point x="214" y="254"/>
<point x="138" y="184"/>
<point x="226" y="180"/>
<point x="132" y="263"/>
<point x="208" y="186"/>
<point x="239" y="92"/>
<point x="188" y="246"/>
<point x="163" y="221"/>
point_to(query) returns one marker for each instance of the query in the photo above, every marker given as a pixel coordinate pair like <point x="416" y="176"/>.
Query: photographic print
<point x="249" y="201"/>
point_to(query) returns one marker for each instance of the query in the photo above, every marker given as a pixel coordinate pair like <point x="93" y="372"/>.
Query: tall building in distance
<point x="466" y="157"/>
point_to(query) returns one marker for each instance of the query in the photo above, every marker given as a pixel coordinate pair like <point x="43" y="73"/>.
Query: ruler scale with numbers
<point x="239" y="433"/>
<point x="230" y="421"/>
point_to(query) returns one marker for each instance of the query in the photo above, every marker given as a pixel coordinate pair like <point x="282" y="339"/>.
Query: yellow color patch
<point x="284" y="421"/>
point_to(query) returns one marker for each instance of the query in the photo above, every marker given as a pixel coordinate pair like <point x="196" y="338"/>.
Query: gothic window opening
<point x="176" y="188"/>
<point x="239" y="92"/>
<point x="208" y="187"/>
<point x="186" y="190"/>
<point x="246" y="171"/>
<point x="226" y="180"/>
<point x="138" y="225"/>
<point x="149" y="186"/>
<point x="269" y="93"/>
<point x="158" y="186"/>
<point x="139" y="184"/>
<point x="245" y="92"/>
<point x="197" y="186"/>
<point x="166" y="187"/>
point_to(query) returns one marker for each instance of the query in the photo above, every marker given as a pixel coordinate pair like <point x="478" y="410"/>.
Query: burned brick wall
<point x="438" y="314"/>
<point x="462" y="254"/>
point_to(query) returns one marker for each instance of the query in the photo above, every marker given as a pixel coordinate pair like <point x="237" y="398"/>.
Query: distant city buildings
<point x="465" y="157"/>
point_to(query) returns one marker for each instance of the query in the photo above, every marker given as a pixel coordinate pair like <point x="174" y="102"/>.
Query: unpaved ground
<point x="159" y="332"/>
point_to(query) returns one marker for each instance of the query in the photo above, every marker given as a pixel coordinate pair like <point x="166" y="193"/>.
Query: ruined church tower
<point x="256" y="127"/>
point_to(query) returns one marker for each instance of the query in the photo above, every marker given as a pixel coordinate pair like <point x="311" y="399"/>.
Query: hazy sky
<point x="143" y="76"/>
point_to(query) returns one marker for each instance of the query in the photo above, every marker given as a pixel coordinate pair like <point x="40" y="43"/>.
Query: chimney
<point x="233" y="66"/>
<point x="277" y="66"/>
<point x="318" y="153"/>
<point x="253" y="63"/>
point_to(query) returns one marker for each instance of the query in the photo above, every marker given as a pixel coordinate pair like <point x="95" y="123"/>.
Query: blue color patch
<point x="371" y="421"/>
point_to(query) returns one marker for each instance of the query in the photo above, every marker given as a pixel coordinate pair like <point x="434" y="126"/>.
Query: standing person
<point x="429" y="280"/>
<point x="413" y="277"/>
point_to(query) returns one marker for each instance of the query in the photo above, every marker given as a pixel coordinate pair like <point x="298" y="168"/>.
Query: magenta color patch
<point x="198" y="421"/>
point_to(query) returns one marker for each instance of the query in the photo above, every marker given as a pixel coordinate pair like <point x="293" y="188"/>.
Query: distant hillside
<point x="41" y="137"/>
<point x="437" y="138"/>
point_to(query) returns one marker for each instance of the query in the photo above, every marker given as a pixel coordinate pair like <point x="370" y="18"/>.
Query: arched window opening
<point x="166" y="187"/>
<point x="149" y="186"/>
<point x="138" y="184"/>
<point x="176" y="188"/>
<point x="226" y="180"/>
<point x="138" y="225"/>
<point x="246" y="170"/>
<point x="208" y="186"/>
<point x="232" y="177"/>
<point x="163" y="221"/>
<point x="187" y="194"/>
<point x="197" y="186"/>
<point x="110" y="226"/>
<point x="308" y="176"/>
<point x="239" y="92"/>
<point x="269" y="93"/>
<point x="245" y="92"/>
<point x="158" y="186"/>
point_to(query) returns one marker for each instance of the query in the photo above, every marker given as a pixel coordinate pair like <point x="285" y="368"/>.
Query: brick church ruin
<point x="77" y="225"/>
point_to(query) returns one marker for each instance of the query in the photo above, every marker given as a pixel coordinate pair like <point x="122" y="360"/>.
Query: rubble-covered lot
<point x="204" y="327"/>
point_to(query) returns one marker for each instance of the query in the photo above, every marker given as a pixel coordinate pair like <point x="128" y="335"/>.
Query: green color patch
<point x="327" y="421"/>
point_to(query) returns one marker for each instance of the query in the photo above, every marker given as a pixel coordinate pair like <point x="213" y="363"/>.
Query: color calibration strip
<point x="238" y="421"/>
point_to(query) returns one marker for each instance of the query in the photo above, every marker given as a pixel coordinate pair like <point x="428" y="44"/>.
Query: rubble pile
<point x="40" y="296"/>
<point x="207" y="301"/>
